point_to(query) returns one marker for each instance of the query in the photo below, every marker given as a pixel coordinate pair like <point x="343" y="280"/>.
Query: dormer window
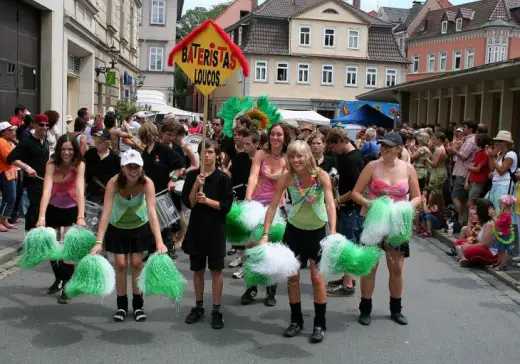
<point x="458" y="25"/>
<point x="330" y="11"/>
<point x="239" y="37"/>
<point x="444" y="27"/>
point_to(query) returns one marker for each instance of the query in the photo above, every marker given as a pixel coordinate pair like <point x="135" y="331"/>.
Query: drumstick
<point x="160" y="193"/>
<point x="40" y="178"/>
<point x="98" y="182"/>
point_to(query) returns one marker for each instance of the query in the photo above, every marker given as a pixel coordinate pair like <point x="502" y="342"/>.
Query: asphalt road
<point x="455" y="317"/>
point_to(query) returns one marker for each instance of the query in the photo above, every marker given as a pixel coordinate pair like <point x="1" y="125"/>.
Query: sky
<point x="366" y="5"/>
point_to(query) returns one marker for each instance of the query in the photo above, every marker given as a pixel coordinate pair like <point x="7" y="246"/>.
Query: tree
<point x="181" y="81"/>
<point x="123" y="109"/>
<point x="193" y="17"/>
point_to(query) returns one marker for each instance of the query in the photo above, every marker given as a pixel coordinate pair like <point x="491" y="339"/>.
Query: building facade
<point x="311" y="55"/>
<point x="464" y="36"/>
<point x="157" y="31"/>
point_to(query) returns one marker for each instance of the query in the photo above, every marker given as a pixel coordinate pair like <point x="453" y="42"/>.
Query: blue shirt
<point x="370" y="148"/>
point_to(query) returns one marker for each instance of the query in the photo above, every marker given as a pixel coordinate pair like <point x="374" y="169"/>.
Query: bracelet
<point x="41" y="218"/>
<point x="265" y="234"/>
<point x="99" y="242"/>
<point x="81" y="217"/>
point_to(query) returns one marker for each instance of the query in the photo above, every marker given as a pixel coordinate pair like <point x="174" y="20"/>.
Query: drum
<point x="193" y="141"/>
<point x="179" y="185"/>
<point x="92" y="215"/>
<point x="166" y="211"/>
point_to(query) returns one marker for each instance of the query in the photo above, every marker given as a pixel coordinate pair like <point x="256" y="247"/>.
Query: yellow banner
<point x="207" y="60"/>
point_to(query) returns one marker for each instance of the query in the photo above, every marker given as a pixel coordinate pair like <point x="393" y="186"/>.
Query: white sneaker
<point x="516" y="259"/>
<point x="239" y="273"/>
<point x="237" y="262"/>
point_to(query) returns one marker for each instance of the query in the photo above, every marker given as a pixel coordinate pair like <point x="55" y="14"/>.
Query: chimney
<point x="254" y="5"/>
<point x="356" y="4"/>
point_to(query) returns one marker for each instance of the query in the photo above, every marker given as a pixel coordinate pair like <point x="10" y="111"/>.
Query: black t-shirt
<point x="32" y="152"/>
<point x="228" y="147"/>
<point x="159" y="163"/>
<point x="101" y="169"/>
<point x="240" y="168"/>
<point x="328" y="163"/>
<point x="349" y="166"/>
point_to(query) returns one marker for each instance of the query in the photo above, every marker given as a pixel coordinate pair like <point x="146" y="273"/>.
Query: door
<point x="19" y="57"/>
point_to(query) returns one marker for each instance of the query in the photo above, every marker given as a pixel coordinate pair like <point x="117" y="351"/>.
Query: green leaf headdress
<point x="232" y="109"/>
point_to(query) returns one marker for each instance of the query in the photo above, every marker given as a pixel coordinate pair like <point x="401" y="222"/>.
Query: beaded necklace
<point x="309" y="197"/>
<point x="503" y="241"/>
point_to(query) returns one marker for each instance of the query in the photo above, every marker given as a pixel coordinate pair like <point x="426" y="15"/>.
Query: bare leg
<point x="121" y="263"/>
<point x="318" y="285"/>
<point x="394" y="261"/>
<point x="198" y="284"/>
<point x="368" y="283"/>
<point x="293" y="289"/>
<point x="217" y="284"/>
<point x="136" y="261"/>
<point x="348" y="281"/>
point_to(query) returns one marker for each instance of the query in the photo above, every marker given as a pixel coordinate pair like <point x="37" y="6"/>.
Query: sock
<point x="319" y="314"/>
<point x="55" y="269"/>
<point x="216" y="308"/>
<point x="122" y="303"/>
<point x="137" y="302"/>
<point x="365" y="306"/>
<point x="65" y="271"/>
<point x="199" y="304"/>
<point x="395" y="305"/>
<point x="296" y="313"/>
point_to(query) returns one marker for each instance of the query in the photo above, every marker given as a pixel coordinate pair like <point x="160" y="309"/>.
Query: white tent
<point x="165" y="109"/>
<point x="308" y="116"/>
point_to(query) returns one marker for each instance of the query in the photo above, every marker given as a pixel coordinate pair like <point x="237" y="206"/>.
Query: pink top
<point x="503" y="224"/>
<point x="380" y="188"/>
<point x="266" y="186"/>
<point x="63" y="193"/>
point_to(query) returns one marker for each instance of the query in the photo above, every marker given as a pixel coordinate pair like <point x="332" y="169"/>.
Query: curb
<point x="8" y="254"/>
<point x="502" y="276"/>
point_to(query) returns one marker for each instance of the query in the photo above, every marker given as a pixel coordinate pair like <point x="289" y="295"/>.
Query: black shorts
<point x="128" y="241"/>
<point x="404" y="249"/>
<point x="305" y="244"/>
<point x="200" y="262"/>
<point x="56" y="217"/>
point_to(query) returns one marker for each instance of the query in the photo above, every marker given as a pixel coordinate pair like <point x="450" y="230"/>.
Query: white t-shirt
<point x="506" y="178"/>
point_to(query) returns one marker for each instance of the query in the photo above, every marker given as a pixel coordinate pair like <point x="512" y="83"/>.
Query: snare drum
<point x="179" y="185"/>
<point x="166" y="211"/>
<point x="92" y="215"/>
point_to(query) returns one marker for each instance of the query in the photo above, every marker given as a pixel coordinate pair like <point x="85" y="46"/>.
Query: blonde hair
<point x="148" y="134"/>
<point x="299" y="146"/>
<point x="422" y="138"/>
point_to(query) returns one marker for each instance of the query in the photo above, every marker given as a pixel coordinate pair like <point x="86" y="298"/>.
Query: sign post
<point x="208" y="57"/>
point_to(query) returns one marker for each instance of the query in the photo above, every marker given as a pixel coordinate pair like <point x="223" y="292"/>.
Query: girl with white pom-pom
<point x="313" y="205"/>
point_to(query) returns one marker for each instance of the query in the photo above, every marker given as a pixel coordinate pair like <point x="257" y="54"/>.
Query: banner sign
<point x="208" y="57"/>
<point x="110" y="78"/>
<point x="348" y="107"/>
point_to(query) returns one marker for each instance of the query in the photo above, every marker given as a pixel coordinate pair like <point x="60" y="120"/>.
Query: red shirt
<point x="16" y="121"/>
<point x="481" y="158"/>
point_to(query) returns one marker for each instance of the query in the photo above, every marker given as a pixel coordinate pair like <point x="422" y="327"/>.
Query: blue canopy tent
<point x="366" y="115"/>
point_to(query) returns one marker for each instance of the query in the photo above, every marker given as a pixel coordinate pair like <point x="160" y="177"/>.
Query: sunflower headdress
<point x="263" y="114"/>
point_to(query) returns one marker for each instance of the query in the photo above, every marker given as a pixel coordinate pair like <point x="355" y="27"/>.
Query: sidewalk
<point x="511" y="277"/>
<point x="9" y="243"/>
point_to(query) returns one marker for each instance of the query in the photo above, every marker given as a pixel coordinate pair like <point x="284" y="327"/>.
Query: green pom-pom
<point x="378" y="221"/>
<point x="40" y="244"/>
<point x="93" y="276"/>
<point x="255" y="256"/>
<point x="402" y="222"/>
<point x="275" y="233"/>
<point x="160" y="276"/>
<point x="77" y="244"/>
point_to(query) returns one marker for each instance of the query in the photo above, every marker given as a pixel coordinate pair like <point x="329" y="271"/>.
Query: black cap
<point x="105" y="134"/>
<point x="391" y="139"/>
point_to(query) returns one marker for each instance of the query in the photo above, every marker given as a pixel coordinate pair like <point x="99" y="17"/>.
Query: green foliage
<point x="124" y="108"/>
<point x="193" y="17"/>
<point x="180" y="81"/>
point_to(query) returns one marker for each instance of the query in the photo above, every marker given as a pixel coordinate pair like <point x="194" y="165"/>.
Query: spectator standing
<point x="19" y="114"/>
<point x="8" y="175"/>
<point x="503" y="162"/>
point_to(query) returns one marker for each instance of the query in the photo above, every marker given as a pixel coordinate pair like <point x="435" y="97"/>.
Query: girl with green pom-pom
<point x="63" y="201"/>
<point x="312" y="206"/>
<point x="128" y="221"/>
<point x="387" y="176"/>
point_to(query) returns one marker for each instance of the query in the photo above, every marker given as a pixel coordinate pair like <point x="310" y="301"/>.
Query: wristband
<point x="41" y="218"/>
<point x="99" y="242"/>
<point x="265" y="234"/>
<point x="81" y="217"/>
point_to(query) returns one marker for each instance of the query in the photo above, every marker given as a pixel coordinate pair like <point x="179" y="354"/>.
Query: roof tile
<point x="396" y="15"/>
<point x="382" y="46"/>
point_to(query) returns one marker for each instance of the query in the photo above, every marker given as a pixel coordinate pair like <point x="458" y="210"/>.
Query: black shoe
<point x="399" y="318"/>
<point x="120" y="315"/>
<point x="341" y="291"/>
<point x="364" y="319"/>
<point x="63" y="299"/>
<point x="139" y="315"/>
<point x="54" y="288"/>
<point x="318" y="334"/>
<point x="293" y="329"/>
<point x="216" y="320"/>
<point x="173" y="254"/>
<point x="452" y="252"/>
<point x="339" y="282"/>
<point x="196" y="314"/>
<point x="249" y="296"/>
<point x="270" y="299"/>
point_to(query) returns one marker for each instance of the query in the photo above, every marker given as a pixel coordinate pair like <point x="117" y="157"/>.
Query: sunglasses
<point x="44" y="125"/>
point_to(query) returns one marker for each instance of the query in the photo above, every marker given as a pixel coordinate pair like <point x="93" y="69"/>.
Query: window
<point x="158" y="12"/>
<point x="371" y="77"/>
<point x="329" y="38"/>
<point x="353" y="39"/>
<point x="239" y="37"/>
<point x="282" y="72"/>
<point x="442" y="61"/>
<point x="431" y="62"/>
<point x="303" y="73"/>
<point x="401" y="44"/>
<point x="470" y="58"/>
<point x="391" y="78"/>
<point x="330" y="11"/>
<point x="444" y="27"/>
<point x="327" y="75"/>
<point x="458" y="25"/>
<point x="261" y="71"/>
<point x="496" y="53"/>
<point x="305" y="36"/>
<point x="351" y="76"/>
<point x="457" y="60"/>
<point x="156" y="59"/>
<point x="415" y="64"/>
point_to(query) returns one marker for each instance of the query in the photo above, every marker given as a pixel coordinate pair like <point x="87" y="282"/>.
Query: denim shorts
<point x="350" y="224"/>
<point x="436" y="224"/>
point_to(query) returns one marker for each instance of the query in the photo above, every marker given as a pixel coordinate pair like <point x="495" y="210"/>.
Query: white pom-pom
<point x="109" y="276"/>
<point x="279" y="264"/>
<point x="253" y="214"/>
<point x="328" y="248"/>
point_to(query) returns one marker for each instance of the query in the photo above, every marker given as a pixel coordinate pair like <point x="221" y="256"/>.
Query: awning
<point x="308" y="116"/>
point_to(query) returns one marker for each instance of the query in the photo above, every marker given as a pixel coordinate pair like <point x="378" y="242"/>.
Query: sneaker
<point x="249" y="296"/>
<point x="139" y="315"/>
<point x="63" y="299"/>
<point x="216" y="320"/>
<point x="239" y="273"/>
<point x="54" y="288"/>
<point x="120" y="315"/>
<point x="270" y="299"/>
<point x="339" y="282"/>
<point x="318" y="334"/>
<point x="364" y="319"/>
<point x="341" y="291"/>
<point x="196" y="314"/>
<point x="293" y="329"/>
<point x="231" y="252"/>
<point x="237" y="262"/>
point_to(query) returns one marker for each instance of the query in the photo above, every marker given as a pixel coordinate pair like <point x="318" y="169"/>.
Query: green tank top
<point x="307" y="215"/>
<point x="129" y="214"/>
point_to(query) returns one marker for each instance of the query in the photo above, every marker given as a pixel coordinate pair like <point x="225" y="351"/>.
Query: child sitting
<point x="468" y="234"/>
<point x="504" y="234"/>
<point x="431" y="215"/>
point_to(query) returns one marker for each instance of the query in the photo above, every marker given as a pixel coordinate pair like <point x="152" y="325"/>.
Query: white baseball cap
<point x="5" y="125"/>
<point x="131" y="156"/>
<point x="111" y="109"/>
<point x="140" y="115"/>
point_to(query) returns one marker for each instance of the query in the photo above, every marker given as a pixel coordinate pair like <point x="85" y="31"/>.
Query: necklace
<point x="275" y="156"/>
<point x="507" y="241"/>
<point x="309" y="197"/>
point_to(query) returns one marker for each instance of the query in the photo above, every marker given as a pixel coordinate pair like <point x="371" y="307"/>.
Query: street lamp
<point x="113" y="52"/>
